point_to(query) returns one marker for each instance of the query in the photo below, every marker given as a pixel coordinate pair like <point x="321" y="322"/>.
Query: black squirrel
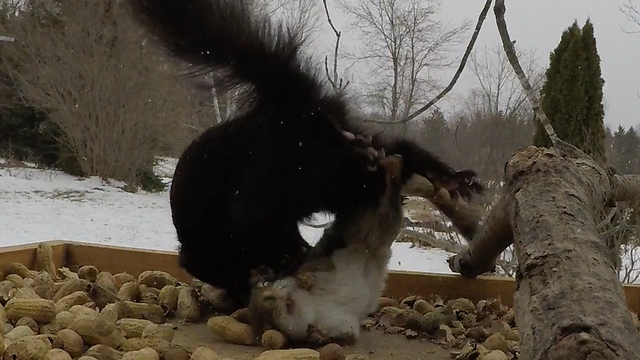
<point x="240" y="189"/>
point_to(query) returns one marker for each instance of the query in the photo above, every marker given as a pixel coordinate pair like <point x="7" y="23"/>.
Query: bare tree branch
<point x="336" y="83"/>
<point x="507" y="43"/>
<point x="499" y="11"/>
<point x="432" y="241"/>
<point x="633" y="15"/>
<point x="630" y="272"/>
<point x="463" y="62"/>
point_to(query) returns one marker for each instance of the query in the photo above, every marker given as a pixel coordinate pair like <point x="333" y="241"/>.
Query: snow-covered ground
<point x="39" y="205"/>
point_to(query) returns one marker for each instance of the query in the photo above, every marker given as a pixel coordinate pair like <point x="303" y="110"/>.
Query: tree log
<point x="569" y="303"/>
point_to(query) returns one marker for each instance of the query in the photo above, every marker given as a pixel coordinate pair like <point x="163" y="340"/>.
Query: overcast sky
<point x="538" y="25"/>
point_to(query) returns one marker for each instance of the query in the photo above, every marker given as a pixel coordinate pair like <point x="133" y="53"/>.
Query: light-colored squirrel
<point x="329" y="296"/>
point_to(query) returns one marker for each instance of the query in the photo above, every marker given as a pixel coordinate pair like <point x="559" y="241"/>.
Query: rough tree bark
<point x="569" y="303"/>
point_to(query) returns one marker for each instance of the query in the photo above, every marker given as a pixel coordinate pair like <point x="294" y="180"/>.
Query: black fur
<point x="240" y="189"/>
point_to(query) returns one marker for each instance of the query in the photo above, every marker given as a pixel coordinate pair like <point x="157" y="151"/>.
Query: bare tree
<point x="402" y="44"/>
<point x="85" y="63"/>
<point x="498" y="88"/>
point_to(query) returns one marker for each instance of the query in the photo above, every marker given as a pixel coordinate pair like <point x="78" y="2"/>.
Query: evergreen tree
<point x="593" y="122"/>
<point x="572" y="92"/>
<point x="435" y="123"/>
<point x="630" y="151"/>
<point x="617" y="150"/>
<point x="551" y="103"/>
<point x="608" y="141"/>
<point x="624" y="152"/>
<point x="433" y="132"/>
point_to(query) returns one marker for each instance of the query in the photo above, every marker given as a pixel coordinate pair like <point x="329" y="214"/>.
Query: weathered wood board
<point x="399" y="284"/>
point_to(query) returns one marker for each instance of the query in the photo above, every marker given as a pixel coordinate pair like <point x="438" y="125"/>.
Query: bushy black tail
<point x="226" y="34"/>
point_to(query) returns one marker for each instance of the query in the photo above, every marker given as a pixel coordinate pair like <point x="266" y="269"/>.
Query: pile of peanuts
<point x="57" y="314"/>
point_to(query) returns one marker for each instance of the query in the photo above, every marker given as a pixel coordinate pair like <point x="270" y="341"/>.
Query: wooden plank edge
<point x="26" y="253"/>
<point x="400" y="284"/>
<point x="115" y="259"/>
<point x="449" y="286"/>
